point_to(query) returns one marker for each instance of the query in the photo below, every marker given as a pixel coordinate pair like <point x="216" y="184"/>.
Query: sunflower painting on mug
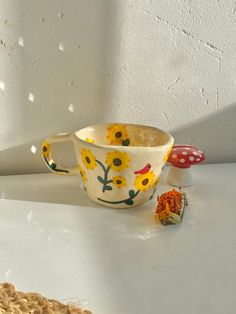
<point x="119" y="164"/>
<point x="116" y="161"/>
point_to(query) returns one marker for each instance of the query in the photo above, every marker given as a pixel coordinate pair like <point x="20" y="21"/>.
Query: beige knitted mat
<point x="15" y="302"/>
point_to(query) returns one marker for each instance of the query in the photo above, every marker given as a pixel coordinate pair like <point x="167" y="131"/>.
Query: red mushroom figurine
<point x="182" y="157"/>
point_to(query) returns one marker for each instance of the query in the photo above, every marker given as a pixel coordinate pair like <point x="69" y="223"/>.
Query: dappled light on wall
<point x="71" y="108"/>
<point x="21" y="42"/>
<point x="33" y="149"/>
<point x="31" y="97"/>
<point x="61" y="46"/>
<point x="2" y="85"/>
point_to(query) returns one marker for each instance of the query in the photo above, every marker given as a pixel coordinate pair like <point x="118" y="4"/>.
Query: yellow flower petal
<point x="168" y="153"/>
<point x="88" y="158"/>
<point x="117" y="133"/>
<point x="89" y="140"/>
<point x="46" y="149"/>
<point x="117" y="160"/>
<point x="144" y="181"/>
<point x="155" y="181"/>
<point x="119" y="181"/>
<point x="82" y="173"/>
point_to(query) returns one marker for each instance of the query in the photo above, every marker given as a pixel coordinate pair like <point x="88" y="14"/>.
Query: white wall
<point x="165" y="63"/>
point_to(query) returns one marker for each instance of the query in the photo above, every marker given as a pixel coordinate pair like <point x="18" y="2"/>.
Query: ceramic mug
<point x="119" y="164"/>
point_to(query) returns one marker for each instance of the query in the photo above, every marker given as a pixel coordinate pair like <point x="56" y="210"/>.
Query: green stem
<point x="185" y="204"/>
<point x="106" y="170"/>
<point x="101" y="164"/>
<point x="54" y="169"/>
<point x="105" y="179"/>
<point x="151" y="197"/>
<point x="119" y="202"/>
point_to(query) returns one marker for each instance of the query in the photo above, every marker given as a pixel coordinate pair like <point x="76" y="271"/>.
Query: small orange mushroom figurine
<point x="182" y="157"/>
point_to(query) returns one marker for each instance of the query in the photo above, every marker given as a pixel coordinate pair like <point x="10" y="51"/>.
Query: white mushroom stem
<point x="180" y="177"/>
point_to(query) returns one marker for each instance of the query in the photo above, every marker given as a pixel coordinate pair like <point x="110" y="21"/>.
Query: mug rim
<point x="169" y="142"/>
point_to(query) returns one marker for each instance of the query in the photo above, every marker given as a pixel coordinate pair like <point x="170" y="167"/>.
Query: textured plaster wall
<point x="66" y="64"/>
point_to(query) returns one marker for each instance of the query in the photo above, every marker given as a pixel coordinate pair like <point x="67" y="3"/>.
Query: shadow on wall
<point x="215" y="135"/>
<point x="26" y="159"/>
<point x="54" y="61"/>
<point x="57" y="65"/>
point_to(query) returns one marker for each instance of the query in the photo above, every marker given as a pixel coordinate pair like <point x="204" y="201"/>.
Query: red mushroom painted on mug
<point x="182" y="157"/>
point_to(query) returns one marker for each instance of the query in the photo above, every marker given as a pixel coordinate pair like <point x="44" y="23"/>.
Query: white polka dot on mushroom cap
<point x="184" y="153"/>
<point x="197" y="159"/>
<point x="191" y="158"/>
<point x="195" y="153"/>
<point x="173" y="156"/>
<point x="182" y="160"/>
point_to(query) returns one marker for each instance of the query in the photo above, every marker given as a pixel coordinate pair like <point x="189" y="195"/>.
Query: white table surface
<point x="55" y="241"/>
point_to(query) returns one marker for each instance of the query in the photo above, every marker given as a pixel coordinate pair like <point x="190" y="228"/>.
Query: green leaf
<point x="107" y="187"/>
<point x="53" y="166"/>
<point x="151" y="197"/>
<point x="100" y="179"/>
<point x="164" y="222"/>
<point x="129" y="202"/>
<point x="126" y="142"/>
<point x="131" y="193"/>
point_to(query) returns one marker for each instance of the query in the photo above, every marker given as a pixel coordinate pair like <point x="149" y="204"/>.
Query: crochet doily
<point x="16" y="302"/>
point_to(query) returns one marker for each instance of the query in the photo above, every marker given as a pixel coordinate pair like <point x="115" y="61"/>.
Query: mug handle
<point x="49" y="161"/>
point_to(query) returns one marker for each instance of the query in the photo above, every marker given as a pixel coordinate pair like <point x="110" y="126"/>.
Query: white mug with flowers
<point x="119" y="164"/>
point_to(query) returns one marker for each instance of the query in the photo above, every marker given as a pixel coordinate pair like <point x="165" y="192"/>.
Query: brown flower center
<point x="88" y="159"/>
<point x="118" y="181"/>
<point x="117" y="162"/>
<point x="145" y="181"/>
<point x="118" y="134"/>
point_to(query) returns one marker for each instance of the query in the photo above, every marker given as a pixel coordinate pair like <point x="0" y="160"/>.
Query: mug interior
<point x="121" y="134"/>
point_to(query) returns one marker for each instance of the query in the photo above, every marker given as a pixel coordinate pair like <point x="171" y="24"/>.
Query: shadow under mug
<point x="119" y="164"/>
